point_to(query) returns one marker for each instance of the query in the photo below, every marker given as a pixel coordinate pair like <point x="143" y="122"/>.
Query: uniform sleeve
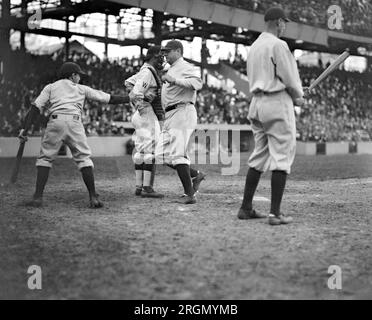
<point x="191" y="79"/>
<point x="286" y="70"/>
<point x="143" y="82"/>
<point x="43" y="99"/>
<point x="130" y="82"/>
<point x="96" y="95"/>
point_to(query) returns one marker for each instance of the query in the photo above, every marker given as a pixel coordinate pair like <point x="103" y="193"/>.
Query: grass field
<point x="160" y="249"/>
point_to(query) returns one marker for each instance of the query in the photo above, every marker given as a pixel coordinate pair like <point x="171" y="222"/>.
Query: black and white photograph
<point x="205" y="152"/>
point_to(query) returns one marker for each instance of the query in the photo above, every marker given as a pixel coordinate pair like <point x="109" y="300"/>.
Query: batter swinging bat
<point x="14" y="176"/>
<point x="333" y="66"/>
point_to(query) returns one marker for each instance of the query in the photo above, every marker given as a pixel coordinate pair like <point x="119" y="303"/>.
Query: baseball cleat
<point x="35" y="202"/>
<point x="188" y="199"/>
<point x="149" y="192"/>
<point x="197" y="180"/>
<point x="95" y="203"/>
<point x="138" y="191"/>
<point x="280" y="219"/>
<point x="245" y="214"/>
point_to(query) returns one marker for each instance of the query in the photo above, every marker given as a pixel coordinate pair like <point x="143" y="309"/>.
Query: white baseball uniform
<point x="274" y="80"/>
<point x="64" y="101"/>
<point x="144" y="88"/>
<point x="178" y="100"/>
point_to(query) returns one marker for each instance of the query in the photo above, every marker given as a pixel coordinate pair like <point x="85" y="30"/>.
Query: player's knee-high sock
<point x="153" y="171"/>
<point x="41" y="180"/>
<point x="88" y="177"/>
<point x="278" y="180"/>
<point x="251" y="182"/>
<point x="147" y="173"/>
<point x="193" y="172"/>
<point x="183" y="171"/>
<point x="139" y="175"/>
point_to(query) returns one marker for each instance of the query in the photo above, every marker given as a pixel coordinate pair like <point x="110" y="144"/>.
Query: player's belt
<point x="174" y="106"/>
<point x="66" y="117"/>
<point x="266" y="93"/>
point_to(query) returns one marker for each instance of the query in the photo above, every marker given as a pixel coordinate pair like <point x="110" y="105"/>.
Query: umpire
<point x="276" y="86"/>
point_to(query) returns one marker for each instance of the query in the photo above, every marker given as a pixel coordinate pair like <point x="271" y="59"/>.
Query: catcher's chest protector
<point x="156" y="103"/>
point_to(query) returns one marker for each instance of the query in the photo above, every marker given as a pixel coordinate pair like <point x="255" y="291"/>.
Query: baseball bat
<point x="17" y="164"/>
<point x="333" y="66"/>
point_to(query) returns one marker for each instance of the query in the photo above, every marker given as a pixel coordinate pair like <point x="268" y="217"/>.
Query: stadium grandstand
<point x="108" y="39"/>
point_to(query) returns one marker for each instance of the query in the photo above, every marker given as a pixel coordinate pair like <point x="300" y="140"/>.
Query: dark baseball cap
<point x="68" y="68"/>
<point x="275" y="13"/>
<point x="152" y="51"/>
<point x="173" y="45"/>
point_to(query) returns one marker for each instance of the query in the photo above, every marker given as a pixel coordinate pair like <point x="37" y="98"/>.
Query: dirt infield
<point x="159" y="249"/>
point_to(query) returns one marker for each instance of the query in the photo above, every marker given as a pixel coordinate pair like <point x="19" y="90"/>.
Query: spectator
<point x="339" y="109"/>
<point x="356" y="15"/>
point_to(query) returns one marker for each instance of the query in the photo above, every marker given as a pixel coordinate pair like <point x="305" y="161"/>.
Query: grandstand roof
<point x="169" y="19"/>
<point x="75" y="46"/>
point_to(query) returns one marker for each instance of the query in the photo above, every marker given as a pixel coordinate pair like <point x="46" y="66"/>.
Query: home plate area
<point x="138" y="248"/>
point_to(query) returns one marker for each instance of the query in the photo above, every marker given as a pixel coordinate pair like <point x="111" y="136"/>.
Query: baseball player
<point x="178" y="97"/>
<point x="64" y="101"/>
<point x="145" y="88"/>
<point x="276" y="86"/>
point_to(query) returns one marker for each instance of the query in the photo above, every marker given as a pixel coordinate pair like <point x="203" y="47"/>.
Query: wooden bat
<point x="332" y="67"/>
<point x="17" y="164"/>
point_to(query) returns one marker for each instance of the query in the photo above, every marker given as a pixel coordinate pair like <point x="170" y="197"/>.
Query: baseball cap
<point x="68" y="68"/>
<point x="275" y="13"/>
<point x="152" y="51"/>
<point x="173" y="45"/>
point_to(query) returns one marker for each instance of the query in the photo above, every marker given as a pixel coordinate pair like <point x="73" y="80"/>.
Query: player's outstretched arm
<point x="103" y="97"/>
<point x="118" y="99"/>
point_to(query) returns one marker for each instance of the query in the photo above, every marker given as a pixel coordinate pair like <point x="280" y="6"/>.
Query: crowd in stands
<point x="339" y="109"/>
<point x="219" y="107"/>
<point x="238" y="62"/>
<point x="31" y="73"/>
<point x="356" y="14"/>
